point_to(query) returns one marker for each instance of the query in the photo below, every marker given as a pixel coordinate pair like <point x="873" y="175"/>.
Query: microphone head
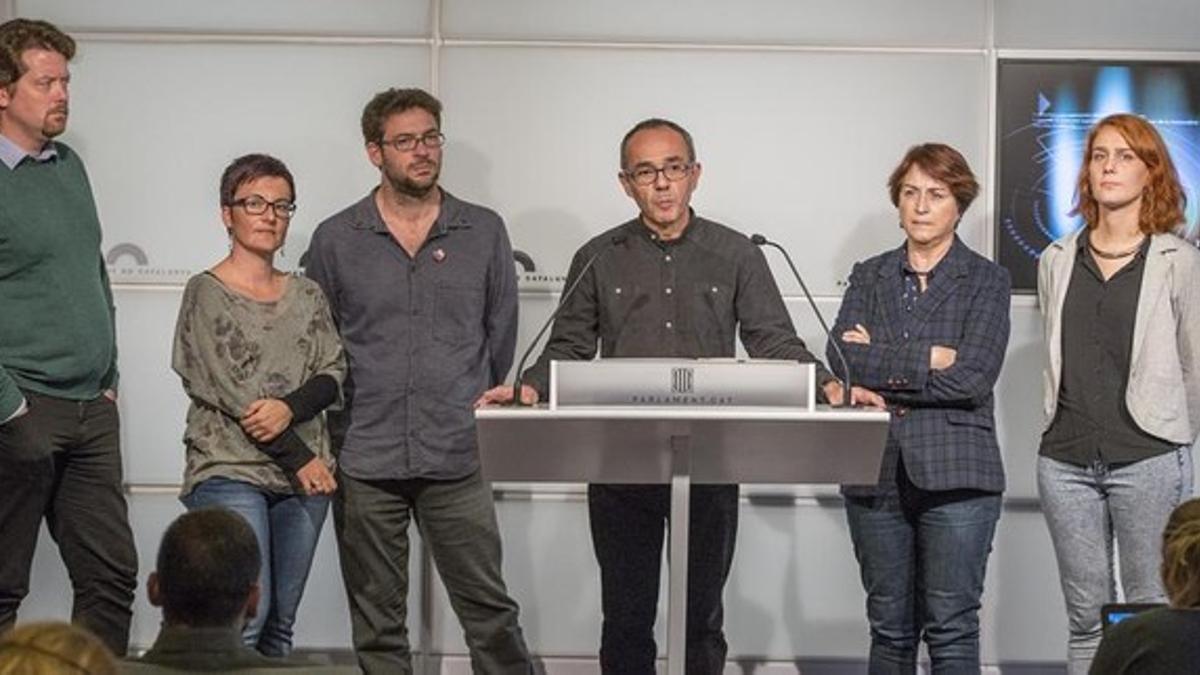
<point x="757" y="239"/>
<point x="618" y="239"/>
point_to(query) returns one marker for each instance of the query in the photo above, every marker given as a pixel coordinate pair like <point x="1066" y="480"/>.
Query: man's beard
<point x="52" y="129"/>
<point x="404" y="185"/>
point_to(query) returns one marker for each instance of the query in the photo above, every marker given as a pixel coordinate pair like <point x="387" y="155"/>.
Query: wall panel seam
<point x="577" y="492"/>
<point x="187" y="37"/>
<point x="707" y="46"/>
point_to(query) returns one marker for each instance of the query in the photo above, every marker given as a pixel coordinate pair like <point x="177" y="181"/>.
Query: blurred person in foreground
<point x="1163" y="641"/>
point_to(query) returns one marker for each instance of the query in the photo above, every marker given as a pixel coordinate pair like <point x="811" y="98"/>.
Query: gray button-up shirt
<point x="689" y="297"/>
<point x="424" y="336"/>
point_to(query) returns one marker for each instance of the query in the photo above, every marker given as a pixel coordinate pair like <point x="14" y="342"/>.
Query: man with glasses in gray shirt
<point x="674" y="285"/>
<point x="423" y="288"/>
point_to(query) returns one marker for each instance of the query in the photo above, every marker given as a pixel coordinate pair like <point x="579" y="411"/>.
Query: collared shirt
<point x="12" y="154"/>
<point x="688" y="297"/>
<point x="424" y="336"/>
<point x="1093" y="423"/>
<point x="911" y="291"/>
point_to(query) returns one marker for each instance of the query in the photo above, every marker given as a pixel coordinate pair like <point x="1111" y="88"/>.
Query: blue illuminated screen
<point x="1044" y="111"/>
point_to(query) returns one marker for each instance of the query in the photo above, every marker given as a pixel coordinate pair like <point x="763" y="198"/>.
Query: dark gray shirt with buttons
<point x="689" y="297"/>
<point x="424" y="335"/>
<point x="1092" y="422"/>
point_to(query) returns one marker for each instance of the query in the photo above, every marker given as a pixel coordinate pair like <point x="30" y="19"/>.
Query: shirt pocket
<point x="458" y="313"/>
<point x="713" y="313"/>
<point x="618" y="305"/>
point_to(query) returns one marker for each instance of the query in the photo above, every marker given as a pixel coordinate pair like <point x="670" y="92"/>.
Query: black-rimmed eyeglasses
<point x="256" y="206"/>
<point x="406" y="143"/>
<point x="646" y="175"/>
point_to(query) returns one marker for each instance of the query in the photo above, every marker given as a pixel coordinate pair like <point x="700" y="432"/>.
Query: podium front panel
<point x="743" y="445"/>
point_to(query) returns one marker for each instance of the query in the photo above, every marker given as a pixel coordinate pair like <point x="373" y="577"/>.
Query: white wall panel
<point x="1087" y="24"/>
<point x="157" y="123"/>
<point x="797" y="147"/>
<point x="152" y="402"/>
<point x="957" y="23"/>
<point x="354" y="17"/>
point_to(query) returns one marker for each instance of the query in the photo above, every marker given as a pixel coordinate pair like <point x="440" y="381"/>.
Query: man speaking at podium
<point x="673" y="285"/>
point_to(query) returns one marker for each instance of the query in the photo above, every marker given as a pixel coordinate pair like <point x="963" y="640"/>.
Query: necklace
<point x="1107" y="255"/>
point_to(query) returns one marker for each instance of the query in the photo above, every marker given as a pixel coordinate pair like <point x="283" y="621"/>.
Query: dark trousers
<point x="457" y="520"/>
<point x="62" y="461"/>
<point x="628" y="525"/>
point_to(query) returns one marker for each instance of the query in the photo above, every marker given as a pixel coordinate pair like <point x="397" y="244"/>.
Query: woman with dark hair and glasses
<point x="1121" y="303"/>
<point x="926" y="325"/>
<point x="260" y="360"/>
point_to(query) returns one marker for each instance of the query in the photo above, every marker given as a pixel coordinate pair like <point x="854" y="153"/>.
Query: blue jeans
<point x="922" y="556"/>
<point x="1088" y="508"/>
<point x="287" y="528"/>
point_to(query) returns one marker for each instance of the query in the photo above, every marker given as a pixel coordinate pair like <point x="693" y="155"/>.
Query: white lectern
<point x="682" y="444"/>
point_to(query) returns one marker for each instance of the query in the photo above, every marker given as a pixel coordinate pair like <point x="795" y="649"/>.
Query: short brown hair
<point x="1163" y="199"/>
<point x="250" y="167"/>
<point x="393" y="101"/>
<point x="942" y="163"/>
<point x="1181" y="555"/>
<point x="54" y="648"/>
<point x="19" y="35"/>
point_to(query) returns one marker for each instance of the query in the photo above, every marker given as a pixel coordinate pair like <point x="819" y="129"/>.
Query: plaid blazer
<point x="942" y="424"/>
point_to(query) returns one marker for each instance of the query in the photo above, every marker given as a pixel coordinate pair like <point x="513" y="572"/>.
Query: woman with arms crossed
<point x="260" y="359"/>
<point x="1121" y="304"/>
<point x="926" y="325"/>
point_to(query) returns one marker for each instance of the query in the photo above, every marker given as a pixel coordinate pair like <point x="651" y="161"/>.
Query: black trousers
<point x="62" y="461"/>
<point x="628" y="526"/>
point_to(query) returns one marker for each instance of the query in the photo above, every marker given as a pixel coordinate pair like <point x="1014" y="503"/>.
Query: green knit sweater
<point x="56" y="312"/>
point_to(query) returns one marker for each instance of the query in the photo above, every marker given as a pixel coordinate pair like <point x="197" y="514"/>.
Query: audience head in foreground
<point x="207" y="571"/>
<point x="54" y="648"/>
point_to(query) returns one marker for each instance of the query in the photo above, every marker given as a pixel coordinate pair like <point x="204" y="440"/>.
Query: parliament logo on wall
<point x="1044" y="111"/>
<point x="129" y="264"/>
<point x="530" y="278"/>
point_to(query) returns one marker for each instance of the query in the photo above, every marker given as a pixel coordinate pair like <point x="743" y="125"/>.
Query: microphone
<point x="759" y="240"/>
<point x="613" y="242"/>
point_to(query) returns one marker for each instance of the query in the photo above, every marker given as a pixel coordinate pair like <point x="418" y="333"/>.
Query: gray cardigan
<point x="1163" y="395"/>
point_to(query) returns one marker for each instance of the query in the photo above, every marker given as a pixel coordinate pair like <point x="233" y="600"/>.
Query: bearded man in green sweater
<point x="60" y="455"/>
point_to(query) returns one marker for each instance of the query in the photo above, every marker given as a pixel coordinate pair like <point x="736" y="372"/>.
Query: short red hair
<point x="1163" y="199"/>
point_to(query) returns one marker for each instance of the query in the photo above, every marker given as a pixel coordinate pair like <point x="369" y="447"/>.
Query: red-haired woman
<point x="1121" y="302"/>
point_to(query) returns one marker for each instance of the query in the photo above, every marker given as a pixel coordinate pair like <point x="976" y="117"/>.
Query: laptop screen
<point x="1117" y="612"/>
